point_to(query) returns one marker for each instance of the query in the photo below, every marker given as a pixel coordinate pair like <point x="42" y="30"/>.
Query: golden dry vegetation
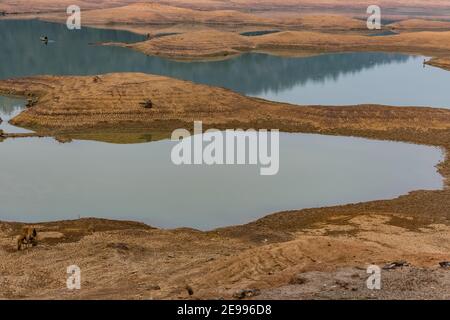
<point x="151" y="13"/>
<point x="67" y="104"/>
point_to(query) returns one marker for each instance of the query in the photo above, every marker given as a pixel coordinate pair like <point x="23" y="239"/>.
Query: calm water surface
<point x="41" y="179"/>
<point x="44" y="180"/>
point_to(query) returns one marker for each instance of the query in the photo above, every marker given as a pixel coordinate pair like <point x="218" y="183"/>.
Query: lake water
<point x="332" y="79"/>
<point x="9" y="108"/>
<point x="45" y="180"/>
<point x="42" y="180"/>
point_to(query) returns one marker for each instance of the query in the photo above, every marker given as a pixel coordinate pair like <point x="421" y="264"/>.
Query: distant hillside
<point x="411" y="8"/>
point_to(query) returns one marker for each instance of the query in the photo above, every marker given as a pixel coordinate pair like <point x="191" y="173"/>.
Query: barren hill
<point x="151" y="13"/>
<point x="421" y="8"/>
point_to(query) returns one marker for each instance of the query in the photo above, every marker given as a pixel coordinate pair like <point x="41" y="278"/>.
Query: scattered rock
<point x="148" y="104"/>
<point x="395" y="265"/>
<point x="189" y="290"/>
<point x="246" y="293"/>
<point x="343" y="284"/>
<point x="445" y="264"/>
<point x="96" y="79"/>
<point x="298" y="280"/>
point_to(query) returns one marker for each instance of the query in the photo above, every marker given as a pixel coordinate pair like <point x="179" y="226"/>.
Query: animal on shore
<point x="27" y="237"/>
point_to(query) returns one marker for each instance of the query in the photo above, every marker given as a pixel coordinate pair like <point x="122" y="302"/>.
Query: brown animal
<point x="27" y="237"/>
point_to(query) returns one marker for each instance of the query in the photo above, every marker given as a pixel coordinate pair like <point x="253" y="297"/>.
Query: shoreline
<point x="125" y="259"/>
<point x="202" y="41"/>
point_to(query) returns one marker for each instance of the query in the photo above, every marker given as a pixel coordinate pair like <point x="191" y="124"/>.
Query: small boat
<point x="44" y="39"/>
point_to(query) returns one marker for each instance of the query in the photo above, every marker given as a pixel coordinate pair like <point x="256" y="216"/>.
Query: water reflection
<point x="44" y="180"/>
<point x="9" y="108"/>
<point x="337" y="79"/>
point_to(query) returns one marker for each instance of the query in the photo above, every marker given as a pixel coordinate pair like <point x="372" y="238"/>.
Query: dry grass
<point x="208" y="43"/>
<point x="152" y="13"/>
<point x="442" y="62"/>
<point x="124" y="260"/>
<point x="78" y="103"/>
<point x="196" y="45"/>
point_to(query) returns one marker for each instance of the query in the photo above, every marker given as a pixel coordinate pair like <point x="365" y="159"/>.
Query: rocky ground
<point x="132" y="261"/>
<point x="325" y="258"/>
<point x="350" y="283"/>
